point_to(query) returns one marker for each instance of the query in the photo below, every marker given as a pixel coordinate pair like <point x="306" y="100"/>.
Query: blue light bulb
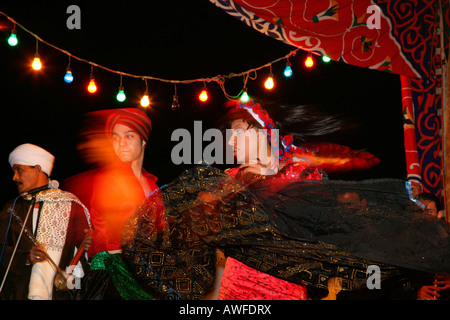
<point x="68" y="77"/>
<point x="288" y="71"/>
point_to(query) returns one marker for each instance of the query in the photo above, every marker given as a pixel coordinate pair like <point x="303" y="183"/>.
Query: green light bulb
<point x="121" y="95"/>
<point x="244" y="97"/>
<point x="12" y="40"/>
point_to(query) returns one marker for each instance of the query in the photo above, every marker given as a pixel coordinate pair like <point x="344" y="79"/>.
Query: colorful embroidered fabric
<point x="298" y="231"/>
<point x="123" y="280"/>
<point x="240" y="282"/>
<point x="339" y="29"/>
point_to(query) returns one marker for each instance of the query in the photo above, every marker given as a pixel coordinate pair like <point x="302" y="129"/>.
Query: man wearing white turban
<point x="39" y="230"/>
<point x="30" y="155"/>
<point x="32" y="166"/>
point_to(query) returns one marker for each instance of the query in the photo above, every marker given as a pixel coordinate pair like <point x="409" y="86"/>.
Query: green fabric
<point x="125" y="284"/>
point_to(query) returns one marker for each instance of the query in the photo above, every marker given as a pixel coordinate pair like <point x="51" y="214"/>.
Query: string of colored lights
<point x="145" y="101"/>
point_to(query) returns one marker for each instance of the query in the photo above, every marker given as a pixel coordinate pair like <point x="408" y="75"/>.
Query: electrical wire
<point x="219" y="79"/>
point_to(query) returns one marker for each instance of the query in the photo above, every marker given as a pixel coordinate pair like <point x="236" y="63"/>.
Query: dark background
<point x="179" y="40"/>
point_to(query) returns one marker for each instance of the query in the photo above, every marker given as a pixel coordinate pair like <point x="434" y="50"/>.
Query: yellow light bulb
<point x="92" y="87"/>
<point x="36" y="65"/>
<point x="145" y="101"/>
<point x="203" y="95"/>
<point x="309" y="62"/>
<point x="269" y="83"/>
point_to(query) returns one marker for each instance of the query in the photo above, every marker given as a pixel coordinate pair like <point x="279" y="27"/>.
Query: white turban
<point x="30" y="155"/>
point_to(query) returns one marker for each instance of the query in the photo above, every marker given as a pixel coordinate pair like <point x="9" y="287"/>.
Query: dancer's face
<point x="127" y="143"/>
<point x="244" y="141"/>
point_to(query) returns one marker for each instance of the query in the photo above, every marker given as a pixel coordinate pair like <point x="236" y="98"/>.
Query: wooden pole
<point x="446" y="143"/>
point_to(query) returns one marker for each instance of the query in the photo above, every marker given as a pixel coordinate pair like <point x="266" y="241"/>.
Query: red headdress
<point x="131" y="117"/>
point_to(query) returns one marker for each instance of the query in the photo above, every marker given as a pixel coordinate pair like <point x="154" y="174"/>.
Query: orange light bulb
<point x="36" y="65"/>
<point x="269" y="84"/>
<point x="145" y="101"/>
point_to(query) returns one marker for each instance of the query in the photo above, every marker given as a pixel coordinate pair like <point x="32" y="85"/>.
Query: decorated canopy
<point x="408" y="38"/>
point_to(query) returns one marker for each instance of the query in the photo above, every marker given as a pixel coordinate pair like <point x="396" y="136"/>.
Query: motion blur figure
<point x="118" y="188"/>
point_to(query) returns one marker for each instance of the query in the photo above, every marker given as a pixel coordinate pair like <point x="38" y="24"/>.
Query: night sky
<point x="180" y="40"/>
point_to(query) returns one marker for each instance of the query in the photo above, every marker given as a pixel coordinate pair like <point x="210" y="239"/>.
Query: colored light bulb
<point x="203" y="95"/>
<point x="244" y="97"/>
<point x="288" y="71"/>
<point x="326" y="59"/>
<point x="36" y="65"/>
<point x="145" y="101"/>
<point x="309" y="62"/>
<point x="121" y="95"/>
<point x="175" y="104"/>
<point x="12" y="40"/>
<point x="269" y="84"/>
<point x="92" y="87"/>
<point x="68" y="77"/>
